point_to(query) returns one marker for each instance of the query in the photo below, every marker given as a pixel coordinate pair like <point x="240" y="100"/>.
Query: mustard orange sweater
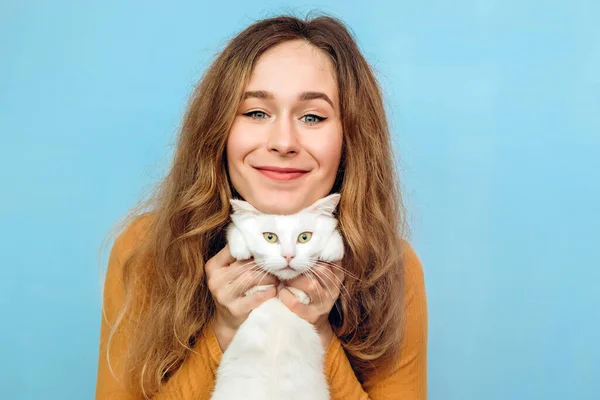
<point x="195" y="378"/>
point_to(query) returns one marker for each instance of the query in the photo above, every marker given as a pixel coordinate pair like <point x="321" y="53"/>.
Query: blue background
<point x="495" y="109"/>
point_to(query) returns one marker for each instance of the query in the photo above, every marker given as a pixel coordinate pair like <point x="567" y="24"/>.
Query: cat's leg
<point x="256" y="289"/>
<point x="237" y="245"/>
<point x="262" y="288"/>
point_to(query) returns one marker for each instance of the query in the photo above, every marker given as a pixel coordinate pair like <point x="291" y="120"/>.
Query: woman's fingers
<point x="221" y="259"/>
<point x="234" y="270"/>
<point x="305" y="283"/>
<point x="338" y="271"/>
<point x="320" y="284"/>
<point x="303" y="311"/>
<point x="229" y="280"/>
<point x="330" y="279"/>
<point x="221" y="276"/>
<point x="248" y="279"/>
<point x="243" y="305"/>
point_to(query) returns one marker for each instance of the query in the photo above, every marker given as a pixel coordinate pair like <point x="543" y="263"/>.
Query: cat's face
<point x="288" y="245"/>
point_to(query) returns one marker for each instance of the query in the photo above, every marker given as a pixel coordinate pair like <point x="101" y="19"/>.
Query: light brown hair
<point x="190" y="209"/>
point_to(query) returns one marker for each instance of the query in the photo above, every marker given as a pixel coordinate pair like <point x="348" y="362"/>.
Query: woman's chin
<point x="280" y="204"/>
<point x="279" y="209"/>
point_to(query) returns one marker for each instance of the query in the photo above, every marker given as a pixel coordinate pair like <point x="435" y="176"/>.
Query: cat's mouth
<point x="287" y="273"/>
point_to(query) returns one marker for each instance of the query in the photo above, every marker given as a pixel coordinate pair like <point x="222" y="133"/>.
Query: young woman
<point x="288" y="113"/>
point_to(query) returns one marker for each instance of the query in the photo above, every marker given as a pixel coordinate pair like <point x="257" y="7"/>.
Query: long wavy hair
<point x="166" y="295"/>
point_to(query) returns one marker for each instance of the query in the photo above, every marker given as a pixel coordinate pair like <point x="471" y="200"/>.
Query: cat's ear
<point x="326" y="205"/>
<point x="241" y="207"/>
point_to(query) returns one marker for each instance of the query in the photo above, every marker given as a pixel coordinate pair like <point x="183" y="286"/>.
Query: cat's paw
<point x="256" y="289"/>
<point x="300" y="295"/>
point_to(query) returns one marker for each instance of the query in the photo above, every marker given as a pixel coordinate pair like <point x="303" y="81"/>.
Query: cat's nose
<point x="288" y="258"/>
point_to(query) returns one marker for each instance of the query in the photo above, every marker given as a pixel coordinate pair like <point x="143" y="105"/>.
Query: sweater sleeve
<point x="408" y="379"/>
<point x="194" y="379"/>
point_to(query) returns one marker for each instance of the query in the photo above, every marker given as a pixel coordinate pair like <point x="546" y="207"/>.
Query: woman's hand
<point x="322" y="285"/>
<point x="228" y="280"/>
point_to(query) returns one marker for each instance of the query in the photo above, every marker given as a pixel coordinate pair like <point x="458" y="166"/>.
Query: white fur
<point x="275" y="354"/>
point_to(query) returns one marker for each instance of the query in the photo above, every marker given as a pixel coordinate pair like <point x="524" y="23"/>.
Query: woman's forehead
<point x="290" y="70"/>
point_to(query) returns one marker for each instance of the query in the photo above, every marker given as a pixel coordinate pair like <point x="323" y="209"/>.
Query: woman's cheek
<point x="327" y="152"/>
<point x="242" y="140"/>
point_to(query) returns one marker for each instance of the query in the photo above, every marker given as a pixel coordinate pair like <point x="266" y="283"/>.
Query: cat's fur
<point x="275" y="354"/>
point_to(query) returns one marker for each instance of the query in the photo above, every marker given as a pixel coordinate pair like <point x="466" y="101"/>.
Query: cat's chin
<point x="286" y="274"/>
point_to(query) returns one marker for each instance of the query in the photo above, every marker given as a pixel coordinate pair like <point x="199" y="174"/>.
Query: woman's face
<point x="284" y="147"/>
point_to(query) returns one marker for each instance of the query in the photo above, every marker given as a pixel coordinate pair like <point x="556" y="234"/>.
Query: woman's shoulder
<point x="408" y="375"/>
<point x="414" y="276"/>
<point x="126" y="242"/>
<point x="415" y="297"/>
<point x="133" y="234"/>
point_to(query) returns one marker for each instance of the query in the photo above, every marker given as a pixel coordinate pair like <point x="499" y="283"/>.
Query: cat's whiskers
<point x="232" y="270"/>
<point x="344" y="270"/>
<point x="263" y="265"/>
<point x="262" y="273"/>
<point x="262" y="269"/>
<point x="335" y="303"/>
<point x="310" y="276"/>
<point x="265" y="273"/>
<point x="238" y="283"/>
<point x="320" y="278"/>
<point x="244" y="282"/>
<point x="331" y="276"/>
<point x="268" y="266"/>
<point x="314" y="271"/>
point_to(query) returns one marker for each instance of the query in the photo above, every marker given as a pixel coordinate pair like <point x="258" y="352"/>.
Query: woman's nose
<point x="282" y="138"/>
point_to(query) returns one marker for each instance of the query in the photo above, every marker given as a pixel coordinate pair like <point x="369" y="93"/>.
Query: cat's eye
<point x="270" y="237"/>
<point x="304" y="237"/>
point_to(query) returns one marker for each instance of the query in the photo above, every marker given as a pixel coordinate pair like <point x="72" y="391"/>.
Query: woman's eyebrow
<point x="304" y="96"/>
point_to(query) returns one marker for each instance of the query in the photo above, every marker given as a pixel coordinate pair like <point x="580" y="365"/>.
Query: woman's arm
<point x="408" y="380"/>
<point x="107" y="386"/>
<point x="195" y="378"/>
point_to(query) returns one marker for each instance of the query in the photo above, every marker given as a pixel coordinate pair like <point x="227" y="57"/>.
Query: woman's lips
<point x="281" y="174"/>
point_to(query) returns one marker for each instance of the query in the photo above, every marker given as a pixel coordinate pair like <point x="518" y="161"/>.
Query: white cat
<point x="275" y="354"/>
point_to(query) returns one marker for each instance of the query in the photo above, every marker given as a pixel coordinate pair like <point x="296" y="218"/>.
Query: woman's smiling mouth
<point x="281" y="174"/>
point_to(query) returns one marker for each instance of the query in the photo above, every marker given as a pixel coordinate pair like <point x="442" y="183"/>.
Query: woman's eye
<point x="313" y="119"/>
<point x="256" y="114"/>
